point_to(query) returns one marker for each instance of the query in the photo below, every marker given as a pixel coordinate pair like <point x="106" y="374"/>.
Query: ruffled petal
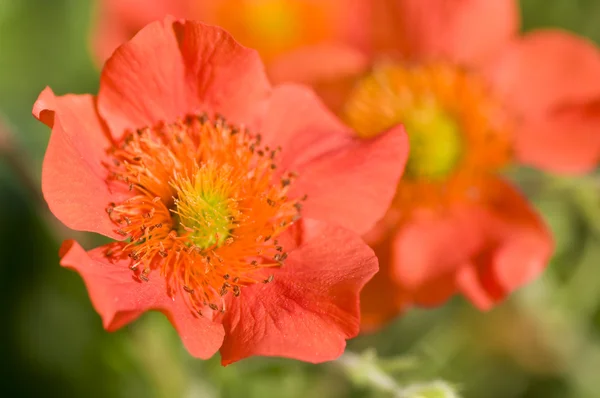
<point x="119" y="20"/>
<point x="349" y="182"/>
<point x="465" y="31"/>
<point x="431" y="244"/>
<point x="395" y="288"/>
<point x="298" y="123"/>
<point x="566" y="140"/>
<point x="382" y="298"/>
<point x="517" y="250"/>
<point x="484" y="250"/>
<point x="144" y="82"/>
<point x="310" y="308"/>
<point x="386" y="296"/>
<point x="330" y="69"/>
<point x="354" y="186"/>
<point x="226" y="77"/>
<point x="170" y="69"/>
<point x="120" y="298"/>
<point x="545" y="69"/>
<point x="73" y="178"/>
<point x="321" y="62"/>
<point x="436" y="291"/>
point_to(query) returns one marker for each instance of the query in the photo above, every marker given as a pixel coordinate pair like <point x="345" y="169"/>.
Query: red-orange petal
<point x="170" y="69"/>
<point x="545" y="69"/>
<point x="227" y="77"/>
<point x="432" y="243"/>
<point x="120" y="298"/>
<point x="349" y="182"/>
<point x="485" y="250"/>
<point x="299" y="123"/>
<point x="312" y="305"/>
<point x="354" y="186"/>
<point x="382" y="299"/>
<point x="518" y="248"/>
<point x="565" y="140"/>
<point x="118" y="20"/>
<point x="313" y="64"/>
<point x="330" y="69"/>
<point x="466" y="31"/>
<point x="73" y="179"/>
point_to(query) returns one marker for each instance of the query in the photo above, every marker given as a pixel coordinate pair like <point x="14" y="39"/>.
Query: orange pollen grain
<point x="206" y="207"/>
<point x="467" y="137"/>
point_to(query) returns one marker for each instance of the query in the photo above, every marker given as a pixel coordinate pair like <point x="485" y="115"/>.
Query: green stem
<point x="367" y="372"/>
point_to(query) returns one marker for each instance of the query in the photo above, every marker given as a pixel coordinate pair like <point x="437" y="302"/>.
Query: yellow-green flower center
<point x="459" y="132"/>
<point x="204" y="206"/>
<point x="273" y="27"/>
<point x="273" y="20"/>
<point x="435" y="140"/>
<point x="394" y="95"/>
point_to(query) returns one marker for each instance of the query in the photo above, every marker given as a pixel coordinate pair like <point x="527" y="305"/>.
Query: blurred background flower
<point x="544" y="342"/>
<point x="475" y="96"/>
<point x="273" y="27"/>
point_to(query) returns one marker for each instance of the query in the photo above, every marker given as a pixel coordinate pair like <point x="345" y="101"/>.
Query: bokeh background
<point x="544" y="342"/>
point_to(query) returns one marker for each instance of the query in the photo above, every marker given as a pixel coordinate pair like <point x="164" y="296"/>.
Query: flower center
<point x="273" y="20"/>
<point x="457" y="131"/>
<point x="207" y="204"/>
<point x="275" y="26"/>
<point x="204" y="207"/>
<point x="435" y="143"/>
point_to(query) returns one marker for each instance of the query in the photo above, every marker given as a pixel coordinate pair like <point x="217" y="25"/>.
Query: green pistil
<point x="208" y="219"/>
<point x="203" y="210"/>
<point x="436" y="144"/>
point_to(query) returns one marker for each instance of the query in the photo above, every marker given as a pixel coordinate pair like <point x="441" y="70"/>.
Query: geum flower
<point x="475" y="96"/>
<point x="244" y="229"/>
<point x="272" y="27"/>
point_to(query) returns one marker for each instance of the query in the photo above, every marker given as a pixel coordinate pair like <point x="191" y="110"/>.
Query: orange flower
<point x="270" y="26"/>
<point x="474" y="96"/>
<point x="206" y="210"/>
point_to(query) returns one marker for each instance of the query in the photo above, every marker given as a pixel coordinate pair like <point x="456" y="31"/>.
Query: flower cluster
<point x="241" y="210"/>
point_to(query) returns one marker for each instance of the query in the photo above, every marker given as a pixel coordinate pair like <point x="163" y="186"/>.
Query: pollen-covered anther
<point x="206" y="207"/>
